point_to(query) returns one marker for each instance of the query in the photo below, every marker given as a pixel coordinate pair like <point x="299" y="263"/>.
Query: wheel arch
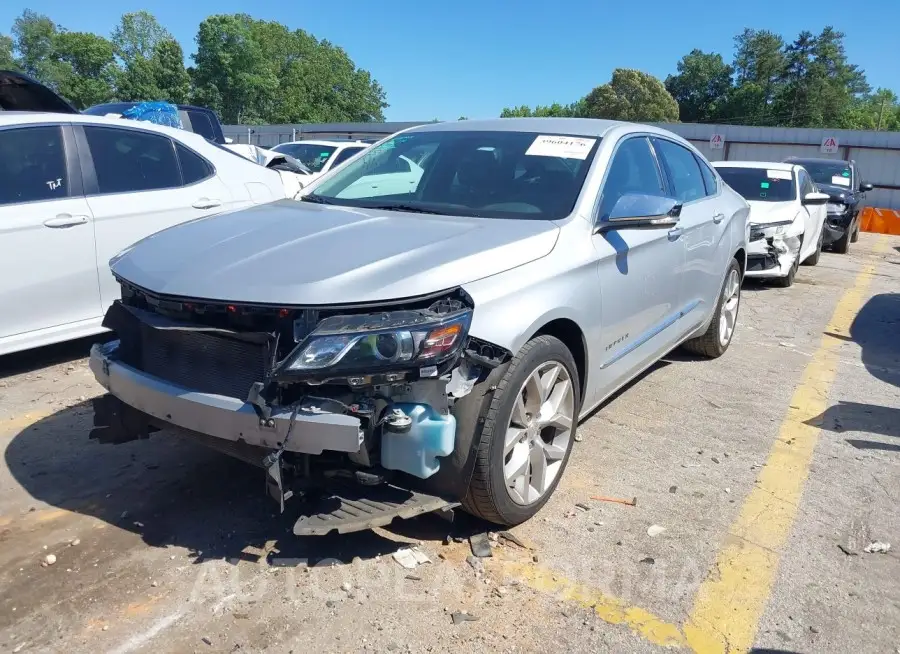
<point x="572" y="336"/>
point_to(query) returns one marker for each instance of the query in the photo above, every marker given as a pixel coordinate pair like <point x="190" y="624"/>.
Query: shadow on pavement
<point x="36" y="359"/>
<point x="873" y="445"/>
<point x="876" y="329"/>
<point x="173" y="492"/>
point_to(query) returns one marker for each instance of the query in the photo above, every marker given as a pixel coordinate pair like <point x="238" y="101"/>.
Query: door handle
<point x="63" y="220"/>
<point x="207" y="203"/>
<point x="675" y="233"/>
<point x="718" y="217"/>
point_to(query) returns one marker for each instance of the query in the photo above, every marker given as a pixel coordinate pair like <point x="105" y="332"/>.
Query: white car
<point x="787" y="214"/>
<point x="321" y="156"/>
<point x="75" y="190"/>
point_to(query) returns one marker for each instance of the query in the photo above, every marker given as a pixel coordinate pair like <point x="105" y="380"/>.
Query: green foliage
<point x="634" y="96"/>
<point x="808" y="82"/>
<point x="701" y="85"/>
<point x="629" y="95"/>
<point x="249" y="71"/>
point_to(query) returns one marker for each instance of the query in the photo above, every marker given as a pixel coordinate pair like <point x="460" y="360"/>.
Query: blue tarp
<point x="161" y="113"/>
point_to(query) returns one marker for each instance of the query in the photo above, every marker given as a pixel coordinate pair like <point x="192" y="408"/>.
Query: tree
<point x="34" y="36"/>
<point x="555" y="110"/>
<point x="701" y="86"/>
<point x="7" y="59"/>
<point x="152" y="60"/>
<point x="759" y="66"/>
<point x="169" y="74"/>
<point x="254" y="71"/>
<point x="87" y="68"/>
<point x="632" y="95"/>
<point x="137" y="35"/>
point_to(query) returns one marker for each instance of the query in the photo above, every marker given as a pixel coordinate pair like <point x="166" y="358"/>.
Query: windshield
<point x="759" y="184"/>
<point x="310" y="155"/>
<point x="466" y="173"/>
<point x="826" y="172"/>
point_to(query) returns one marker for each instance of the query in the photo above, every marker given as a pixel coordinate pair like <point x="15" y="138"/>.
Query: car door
<point x="639" y="273"/>
<point x="139" y="182"/>
<point x="48" y="270"/>
<point x="702" y="226"/>
<point x="813" y="216"/>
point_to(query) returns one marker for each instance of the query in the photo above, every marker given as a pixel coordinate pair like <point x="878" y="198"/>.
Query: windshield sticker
<point x="764" y="185"/>
<point x="846" y="173"/>
<point x="838" y="180"/>
<point x="779" y="174"/>
<point x="567" y="147"/>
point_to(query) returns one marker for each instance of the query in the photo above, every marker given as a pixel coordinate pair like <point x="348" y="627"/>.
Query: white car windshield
<point x="759" y="184"/>
<point x="491" y="174"/>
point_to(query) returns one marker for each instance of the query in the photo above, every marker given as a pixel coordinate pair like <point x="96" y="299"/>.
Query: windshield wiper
<point x="317" y="199"/>
<point x="412" y="208"/>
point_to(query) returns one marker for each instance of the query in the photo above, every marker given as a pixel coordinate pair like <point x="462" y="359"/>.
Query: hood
<point x="762" y="213"/>
<point x="19" y="92"/>
<point x="296" y="253"/>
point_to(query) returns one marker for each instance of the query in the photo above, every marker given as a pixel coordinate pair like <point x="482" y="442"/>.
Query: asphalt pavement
<point x="760" y="480"/>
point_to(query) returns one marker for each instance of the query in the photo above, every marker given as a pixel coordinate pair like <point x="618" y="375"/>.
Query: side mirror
<point x="865" y="187"/>
<point x="814" y="199"/>
<point x="636" y="210"/>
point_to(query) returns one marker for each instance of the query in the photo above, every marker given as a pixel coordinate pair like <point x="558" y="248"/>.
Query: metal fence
<point x="877" y="154"/>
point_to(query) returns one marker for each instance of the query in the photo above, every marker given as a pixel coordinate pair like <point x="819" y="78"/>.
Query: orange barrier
<point x="880" y="221"/>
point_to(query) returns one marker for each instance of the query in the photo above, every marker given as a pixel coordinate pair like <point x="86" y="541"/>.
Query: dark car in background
<point x="840" y="179"/>
<point x="199" y="120"/>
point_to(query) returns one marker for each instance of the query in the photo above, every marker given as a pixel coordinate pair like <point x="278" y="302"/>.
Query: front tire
<point x="527" y="435"/>
<point x="788" y="280"/>
<point x="813" y="259"/>
<point x="717" y="338"/>
<point x="842" y="245"/>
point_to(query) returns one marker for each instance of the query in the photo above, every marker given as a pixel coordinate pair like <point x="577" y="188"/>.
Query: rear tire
<point x="543" y="372"/>
<point x="715" y="341"/>
<point x="855" y="235"/>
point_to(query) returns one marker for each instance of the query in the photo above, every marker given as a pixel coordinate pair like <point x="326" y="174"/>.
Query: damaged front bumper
<point x="771" y="253"/>
<point x="170" y="405"/>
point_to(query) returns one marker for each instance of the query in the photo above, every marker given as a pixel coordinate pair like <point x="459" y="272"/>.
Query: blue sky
<point x="474" y="57"/>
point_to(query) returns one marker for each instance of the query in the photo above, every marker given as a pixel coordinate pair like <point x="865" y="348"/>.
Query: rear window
<point x="761" y="185"/>
<point x="310" y="155"/>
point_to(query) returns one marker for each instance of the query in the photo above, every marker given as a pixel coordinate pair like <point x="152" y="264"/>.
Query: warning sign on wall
<point x="716" y="142"/>
<point x="829" y="145"/>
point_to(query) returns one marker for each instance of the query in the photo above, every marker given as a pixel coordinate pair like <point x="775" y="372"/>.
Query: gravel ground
<point x="164" y="546"/>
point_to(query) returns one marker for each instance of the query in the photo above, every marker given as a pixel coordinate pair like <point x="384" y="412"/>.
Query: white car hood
<point x="762" y="213"/>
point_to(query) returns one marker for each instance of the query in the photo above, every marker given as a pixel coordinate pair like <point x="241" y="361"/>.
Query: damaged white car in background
<point x="787" y="214"/>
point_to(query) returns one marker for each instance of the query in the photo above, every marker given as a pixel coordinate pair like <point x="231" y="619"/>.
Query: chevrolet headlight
<point x="835" y="208"/>
<point x="371" y="342"/>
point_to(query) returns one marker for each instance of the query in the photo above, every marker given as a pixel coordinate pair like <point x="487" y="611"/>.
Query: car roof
<point x="9" y="118"/>
<point x="766" y="165"/>
<point x="588" y="127"/>
<point x="819" y="160"/>
<point x="336" y="144"/>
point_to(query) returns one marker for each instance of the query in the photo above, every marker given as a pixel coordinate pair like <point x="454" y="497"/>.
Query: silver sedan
<point x="435" y="315"/>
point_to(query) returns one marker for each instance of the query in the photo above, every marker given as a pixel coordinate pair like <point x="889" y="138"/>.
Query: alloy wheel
<point x="538" y="434"/>
<point x="731" y="298"/>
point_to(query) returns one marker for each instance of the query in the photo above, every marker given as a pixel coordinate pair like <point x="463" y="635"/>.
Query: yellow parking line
<point x="731" y="600"/>
<point x="609" y="609"/>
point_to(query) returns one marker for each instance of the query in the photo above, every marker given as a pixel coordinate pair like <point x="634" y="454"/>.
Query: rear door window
<point x="683" y="169"/>
<point x="194" y="168"/>
<point x="127" y="160"/>
<point x="32" y="165"/>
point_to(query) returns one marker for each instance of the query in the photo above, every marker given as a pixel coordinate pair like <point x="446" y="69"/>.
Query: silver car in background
<point x="440" y="340"/>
